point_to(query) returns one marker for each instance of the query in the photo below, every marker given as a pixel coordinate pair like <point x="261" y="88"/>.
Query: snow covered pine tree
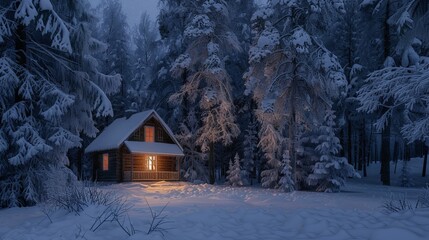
<point x="234" y="173"/>
<point x="50" y="90"/>
<point x="292" y="77"/>
<point x="329" y="172"/>
<point x="207" y="83"/>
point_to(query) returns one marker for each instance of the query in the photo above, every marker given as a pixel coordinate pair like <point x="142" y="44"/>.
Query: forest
<point x="288" y="94"/>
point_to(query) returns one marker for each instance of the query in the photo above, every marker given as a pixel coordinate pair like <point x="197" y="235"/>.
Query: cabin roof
<point x="154" y="148"/>
<point x="119" y="130"/>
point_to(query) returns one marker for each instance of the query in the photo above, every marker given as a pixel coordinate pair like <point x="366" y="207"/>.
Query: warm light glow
<point x="105" y="162"/>
<point x="149" y="134"/>
<point x="151" y="162"/>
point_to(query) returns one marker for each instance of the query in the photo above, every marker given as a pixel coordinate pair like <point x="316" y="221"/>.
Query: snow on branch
<point x="268" y="40"/>
<point x="8" y="80"/>
<point x="5" y="26"/>
<point x="48" y="22"/>
<point x="14" y="113"/>
<point x="216" y="6"/>
<point x="61" y="101"/>
<point x="201" y="25"/>
<point x="301" y="40"/>
<point x="65" y="138"/>
<point x="102" y="104"/>
<point x="26" y="90"/>
<point x="182" y="62"/>
<point x="393" y="87"/>
<point x="30" y="144"/>
<point x="59" y="33"/>
<point x="26" y="12"/>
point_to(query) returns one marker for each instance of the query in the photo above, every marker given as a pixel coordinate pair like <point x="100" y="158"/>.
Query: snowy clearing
<point x="219" y="212"/>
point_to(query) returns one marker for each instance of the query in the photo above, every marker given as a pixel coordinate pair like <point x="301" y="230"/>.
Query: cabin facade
<point x="139" y="148"/>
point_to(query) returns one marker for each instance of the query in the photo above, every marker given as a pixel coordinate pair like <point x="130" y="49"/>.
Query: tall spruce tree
<point x="145" y="55"/>
<point x="329" y="172"/>
<point x="207" y="83"/>
<point x="114" y="33"/>
<point x="51" y="92"/>
<point x="292" y="76"/>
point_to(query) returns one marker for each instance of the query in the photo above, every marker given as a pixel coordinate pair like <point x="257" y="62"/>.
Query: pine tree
<point x="52" y="90"/>
<point x="172" y="19"/>
<point x="234" y="173"/>
<point x="145" y="55"/>
<point x="286" y="182"/>
<point x="250" y="150"/>
<point x="329" y="171"/>
<point x="116" y="60"/>
<point x="207" y="83"/>
<point x="193" y="163"/>
<point x="270" y="142"/>
<point x="292" y="76"/>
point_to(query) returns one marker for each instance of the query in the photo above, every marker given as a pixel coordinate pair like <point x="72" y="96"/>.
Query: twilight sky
<point x="134" y="8"/>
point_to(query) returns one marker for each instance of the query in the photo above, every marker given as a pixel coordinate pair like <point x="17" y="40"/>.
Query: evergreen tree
<point x="193" y="163"/>
<point x="207" y="82"/>
<point x="250" y="151"/>
<point x="116" y="58"/>
<point x="292" y="76"/>
<point x="145" y="55"/>
<point x="286" y="182"/>
<point x="329" y="171"/>
<point x="51" y="91"/>
<point x="173" y="18"/>
<point x="234" y="173"/>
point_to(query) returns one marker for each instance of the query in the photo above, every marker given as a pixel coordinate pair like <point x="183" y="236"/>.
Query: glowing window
<point x="105" y="162"/>
<point x="151" y="164"/>
<point x="149" y="134"/>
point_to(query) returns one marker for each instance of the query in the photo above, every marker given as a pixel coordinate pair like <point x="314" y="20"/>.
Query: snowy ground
<point x="220" y="212"/>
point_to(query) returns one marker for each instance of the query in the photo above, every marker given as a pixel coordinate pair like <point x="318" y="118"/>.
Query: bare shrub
<point x="158" y="221"/>
<point x="399" y="203"/>
<point x="115" y="211"/>
<point x="114" y="208"/>
<point x="423" y="199"/>
<point x="80" y="195"/>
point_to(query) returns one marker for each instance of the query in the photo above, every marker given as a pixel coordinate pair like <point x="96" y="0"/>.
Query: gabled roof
<point x="154" y="148"/>
<point x="120" y="129"/>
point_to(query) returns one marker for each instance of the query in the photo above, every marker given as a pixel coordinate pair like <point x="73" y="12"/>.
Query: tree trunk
<point x="21" y="45"/>
<point x="385" y="156"/>
<point x="385" y="142"/>
<point x="395" y="156"/>
<point x="291" y="136"/>
<point x="211" y="164"/>
<point x="349" y="141"/>
<point x="364" y="158"/>
<point x="425" y="160"/>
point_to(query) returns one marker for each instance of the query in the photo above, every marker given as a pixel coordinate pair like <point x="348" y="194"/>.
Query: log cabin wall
<point x="111" y="173"/>
<point x="138" y="162"/>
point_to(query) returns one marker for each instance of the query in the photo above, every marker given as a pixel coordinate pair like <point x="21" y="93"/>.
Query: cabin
<point x="138" y="148"/>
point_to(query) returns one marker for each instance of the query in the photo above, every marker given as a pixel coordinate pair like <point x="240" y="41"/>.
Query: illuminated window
<point x="149" y="134"/>
<point x="151" y="164"/>
<point x="105" y="162"/>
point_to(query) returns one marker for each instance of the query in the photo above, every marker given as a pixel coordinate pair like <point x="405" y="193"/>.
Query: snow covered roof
<point x="120" y="129"/>
<point x="154" y="148"/>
